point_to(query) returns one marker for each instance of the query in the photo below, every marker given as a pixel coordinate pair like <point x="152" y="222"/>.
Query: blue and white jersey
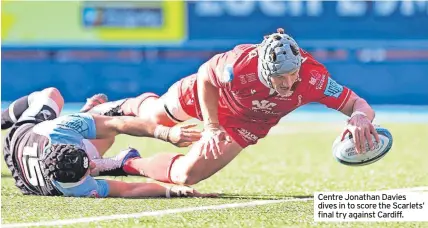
<point x="31" y="142"/>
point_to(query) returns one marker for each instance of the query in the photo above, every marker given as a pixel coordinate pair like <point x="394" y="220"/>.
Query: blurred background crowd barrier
<point x="379" y="49"/>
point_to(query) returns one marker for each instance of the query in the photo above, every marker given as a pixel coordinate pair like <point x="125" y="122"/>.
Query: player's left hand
<point x="185" y="191"/>
<point x="362" y="130"/>
<point x="184" y="135"/>
<point x="214" y="137"/>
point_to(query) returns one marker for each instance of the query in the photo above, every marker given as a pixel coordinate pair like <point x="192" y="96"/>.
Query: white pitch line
<point x="182" y="210"/>
<point x="153" y="213"/>
<point x="414" y="189"/>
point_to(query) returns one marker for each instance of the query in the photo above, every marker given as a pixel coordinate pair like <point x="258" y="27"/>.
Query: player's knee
<point x="154" y="110"/>
<point x="160" y="117"/>
<point x="188" y="178"/>
<point x="52" y="92"/>
<point x="55" y="95"/>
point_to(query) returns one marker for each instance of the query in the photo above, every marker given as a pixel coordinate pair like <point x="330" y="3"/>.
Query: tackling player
<point x="50" y="155"/>
<point x="240" y="95"/>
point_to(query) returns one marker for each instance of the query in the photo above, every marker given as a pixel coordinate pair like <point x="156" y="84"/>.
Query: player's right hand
<point x="361" y="129"/>
<point x="214" y="137"/>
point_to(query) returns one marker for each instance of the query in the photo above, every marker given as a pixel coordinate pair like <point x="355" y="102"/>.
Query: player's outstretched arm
<point x="107" y="126"/>
<point x="358" y="104"/>
<point x="349" y="103"/>
<point x="208" y="98"/>
<point x="139" y="190"/>
<point x="360" y="124"/>
<point x="213" y="134"/>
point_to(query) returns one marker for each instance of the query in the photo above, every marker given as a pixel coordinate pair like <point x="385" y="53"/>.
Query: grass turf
<point x="293" y="161"/>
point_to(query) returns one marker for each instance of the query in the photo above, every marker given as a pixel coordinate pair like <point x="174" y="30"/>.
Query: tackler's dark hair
<point x="65" y="163"/>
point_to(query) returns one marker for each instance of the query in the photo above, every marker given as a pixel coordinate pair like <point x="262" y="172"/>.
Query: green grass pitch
<point x="295" y="160"/>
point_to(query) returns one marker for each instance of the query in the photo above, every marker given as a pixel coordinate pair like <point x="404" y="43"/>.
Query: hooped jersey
<point x="27" y="143"/>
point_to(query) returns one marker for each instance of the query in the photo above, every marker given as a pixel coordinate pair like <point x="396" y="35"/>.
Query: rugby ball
<point x="344" y="150"/>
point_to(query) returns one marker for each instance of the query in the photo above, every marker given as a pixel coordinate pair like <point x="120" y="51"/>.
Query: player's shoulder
<point x="245" y="68"/>
<point x="236" y="58"/>
<point x="245" y="59"/>
<point x="243" y="49"/>
<point x="239" y="63"/>
<point x="309" y="61"/>
<point x="310" y="66"/>
<point x="313" y="74"/>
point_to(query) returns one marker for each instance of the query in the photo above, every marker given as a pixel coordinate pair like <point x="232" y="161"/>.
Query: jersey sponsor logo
<point x="253" y="53"/>
<point x="320" y="83"/>
<point x="317" y="79"/>
<point x="74" y="122"/>
<point x="251" y="77"/>
<point x="46" y="114"/>
<point x="315" y="74"/>
<point x="247" y="135"/>
<point x="85" y="163"/>
<point x="245" y="78"/>
<point x="333" y="89"/>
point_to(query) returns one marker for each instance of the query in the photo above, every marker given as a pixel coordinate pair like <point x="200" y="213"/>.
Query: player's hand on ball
<point x="184" y="135"/>
<point x="361" y="129"/>
<point x="185" y="191"/>
<point x="214" y="137"/>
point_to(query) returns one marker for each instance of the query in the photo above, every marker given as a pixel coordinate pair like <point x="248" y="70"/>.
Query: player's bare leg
<point x="54" y="94"/>
<point x="93" y="101"/>
<point x="177" y="168"/>
<point x="101" y="145"/>
<point x="193" y="167"/>
<point x="182" y="169"/>
<point x="151" y="107"/>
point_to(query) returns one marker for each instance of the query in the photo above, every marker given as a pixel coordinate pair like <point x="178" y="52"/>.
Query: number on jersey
<point x="31" y="164"/>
